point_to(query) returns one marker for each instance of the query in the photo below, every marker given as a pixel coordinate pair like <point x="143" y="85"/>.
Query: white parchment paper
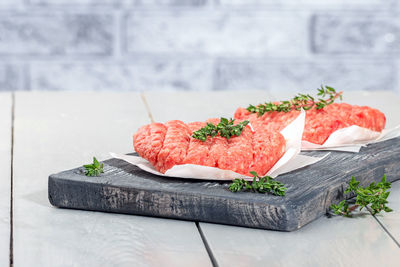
<point x="351" y="139"/>
<point x="290" y="161"/>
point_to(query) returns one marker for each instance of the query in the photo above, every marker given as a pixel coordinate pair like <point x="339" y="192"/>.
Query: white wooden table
<point x="45" y="132"/>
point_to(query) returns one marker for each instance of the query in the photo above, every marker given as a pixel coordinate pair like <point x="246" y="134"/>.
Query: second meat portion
<point x="320" y="124"/>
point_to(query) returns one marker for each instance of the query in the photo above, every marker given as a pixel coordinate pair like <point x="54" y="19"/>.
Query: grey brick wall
<point x="362" y="33"/>
<point x="301" y="75"/>
<point x="55" y="35"/>
<point x="139" y="45"/>
<point x="11" y="76"/>
<point x="234" y="33"/>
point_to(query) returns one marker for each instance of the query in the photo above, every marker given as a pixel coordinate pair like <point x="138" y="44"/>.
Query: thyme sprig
<point x="225" y="128"/>
<point x="94" y="169"/>
<point x="259" y="184"/>
<point x="327" y="95"/>
<point x="373" y="196"/>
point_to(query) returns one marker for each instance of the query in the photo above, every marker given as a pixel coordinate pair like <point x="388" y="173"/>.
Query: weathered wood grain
<point x="61" y="130"/>
<point x="311" y="190"/>
<point x="5" y="176"/>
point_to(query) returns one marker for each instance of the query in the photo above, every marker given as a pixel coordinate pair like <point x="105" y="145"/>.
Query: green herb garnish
<point x="373" y="196"/>
<point x="264" y="184"/>
<point x="224" y="128"/>
<point x="300" y="101"/>
<point x="94" y="169"/>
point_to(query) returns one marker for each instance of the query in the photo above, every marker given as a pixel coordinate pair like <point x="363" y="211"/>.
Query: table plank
<point x="200" y="106"/>
<point x="391" y="221"/>
<point x="333" y="242"/>
<point x="57" y="131"/>
<point x="336" y="241"/>
<point x="5" y="176"/>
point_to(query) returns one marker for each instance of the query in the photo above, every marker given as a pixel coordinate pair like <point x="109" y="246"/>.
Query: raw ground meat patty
<point x="320" y="124"/>
<point x="170" y="144"/>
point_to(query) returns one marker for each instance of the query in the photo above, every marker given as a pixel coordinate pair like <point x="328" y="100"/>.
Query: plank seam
<point x="207" y="246"/>
<point x="146" y="105"/>
<point x="385" y="229"/>
<point x="12" y="182"/>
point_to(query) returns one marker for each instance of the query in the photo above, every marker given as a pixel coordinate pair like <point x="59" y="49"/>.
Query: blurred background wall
<point x="141" y="45"/>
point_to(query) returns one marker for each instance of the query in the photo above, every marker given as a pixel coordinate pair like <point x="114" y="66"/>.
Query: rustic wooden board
<point x="126" y="189"/>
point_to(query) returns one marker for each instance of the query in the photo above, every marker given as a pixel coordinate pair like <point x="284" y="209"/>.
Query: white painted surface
<point x="57" y="131"/>
<point x="5" y="176"/>
<point x="200" y="106"/>
<point x="333" y="242"/>
<point x="391" y="220"/>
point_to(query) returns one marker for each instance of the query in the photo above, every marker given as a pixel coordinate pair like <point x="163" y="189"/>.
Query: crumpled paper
<point x="351" y="139"/>
<point x="291" y="160"/>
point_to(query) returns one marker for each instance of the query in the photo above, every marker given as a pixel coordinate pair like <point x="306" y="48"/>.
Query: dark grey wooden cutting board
<point x="124" y="188"/>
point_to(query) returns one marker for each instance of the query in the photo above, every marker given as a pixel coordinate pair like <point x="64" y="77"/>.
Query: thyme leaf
<point x="327" y="95"/>
<point x="259" y="184"/>
<point x="225" y="128"/>
<point x="94" y="169"/>
<point x="373" y="196"/>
